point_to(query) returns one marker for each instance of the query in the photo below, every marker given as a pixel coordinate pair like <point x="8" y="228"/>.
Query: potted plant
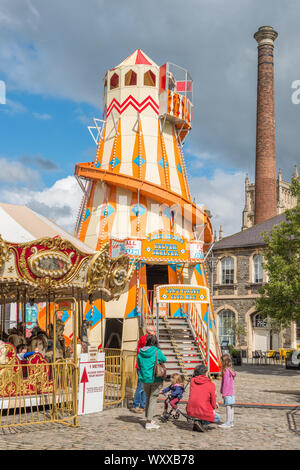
<point x="236" y="356"/>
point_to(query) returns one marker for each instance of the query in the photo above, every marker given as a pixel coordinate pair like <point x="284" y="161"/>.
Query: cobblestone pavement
<point x="120" y="429"/>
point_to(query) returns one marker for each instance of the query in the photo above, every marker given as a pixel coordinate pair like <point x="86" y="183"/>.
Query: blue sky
<point x="53" y="58"/>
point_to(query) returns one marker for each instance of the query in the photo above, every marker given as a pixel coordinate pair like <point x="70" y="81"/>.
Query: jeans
<point x="139" y="400"/>
<point x="217" y="419"/>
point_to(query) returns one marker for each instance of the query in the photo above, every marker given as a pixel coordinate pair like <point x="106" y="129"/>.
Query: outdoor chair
<point x="255" y="357"/>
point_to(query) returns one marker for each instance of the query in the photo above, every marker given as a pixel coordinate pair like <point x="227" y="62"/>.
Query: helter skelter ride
<point x="46" y="270"/>
<point x="137" y="197"/>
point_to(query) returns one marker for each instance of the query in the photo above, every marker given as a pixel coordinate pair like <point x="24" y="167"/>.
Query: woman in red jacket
<point x="202" y="400"/>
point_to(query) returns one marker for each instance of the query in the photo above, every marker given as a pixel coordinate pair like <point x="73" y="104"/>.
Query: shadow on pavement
<point x="133" y="419"/>
<point x="285" y="392"/>
<point x="293" y="419"/>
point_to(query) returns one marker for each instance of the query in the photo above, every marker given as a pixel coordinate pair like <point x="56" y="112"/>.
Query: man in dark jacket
<point x="202" y="400"/>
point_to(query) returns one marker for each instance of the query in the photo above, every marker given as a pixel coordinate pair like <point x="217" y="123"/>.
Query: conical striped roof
<point x="136" y="58"/>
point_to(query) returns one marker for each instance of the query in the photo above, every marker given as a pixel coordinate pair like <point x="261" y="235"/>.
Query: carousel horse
<point x="86" y="324"/>
<point x="60" y="341"/>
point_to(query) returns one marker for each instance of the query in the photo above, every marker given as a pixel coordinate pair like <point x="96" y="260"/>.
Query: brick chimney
<point x="265" y="167"/>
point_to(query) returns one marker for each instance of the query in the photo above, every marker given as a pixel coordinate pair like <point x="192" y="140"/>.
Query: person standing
<point x="146" y="361"/>
<point x="227" y="389"/>
<point x="139" y="399"/>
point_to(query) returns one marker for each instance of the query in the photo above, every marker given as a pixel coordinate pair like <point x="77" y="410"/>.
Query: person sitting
<point x="202" y="401"/>
<point x="22" y="352"/>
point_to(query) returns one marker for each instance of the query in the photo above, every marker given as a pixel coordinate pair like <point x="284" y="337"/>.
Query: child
<point x="22" y="353"/>
<point x="227" y="389"/>
<point x="176" y="388"/>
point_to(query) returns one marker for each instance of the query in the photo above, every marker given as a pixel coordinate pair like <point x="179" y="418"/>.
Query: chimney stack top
<point x="265" y="35"/>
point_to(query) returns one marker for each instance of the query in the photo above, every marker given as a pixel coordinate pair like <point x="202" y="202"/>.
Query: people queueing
<point x="146" y="361"/>
<point x="227" y="389"/>
<point x="139" y="399"/>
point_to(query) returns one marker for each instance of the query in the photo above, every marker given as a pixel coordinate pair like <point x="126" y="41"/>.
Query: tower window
<point x="114" y="81"/>
<point x="130" y="78"/>
<point x="149" y="78"/>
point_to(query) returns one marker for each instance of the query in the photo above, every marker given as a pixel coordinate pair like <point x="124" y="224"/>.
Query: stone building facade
<point x="237" y="276"/>
<point x="285" y="200"/>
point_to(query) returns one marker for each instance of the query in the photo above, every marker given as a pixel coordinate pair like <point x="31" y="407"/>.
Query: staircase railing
<point x="146" y="315"/>
<point x="198" y="330"/>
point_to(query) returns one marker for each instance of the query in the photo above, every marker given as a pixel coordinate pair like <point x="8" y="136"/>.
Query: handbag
<point x="160" y="370"/>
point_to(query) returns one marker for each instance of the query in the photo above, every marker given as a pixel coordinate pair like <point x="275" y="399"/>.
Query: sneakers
<point x="226" y="426"/>
<point x="152" y="425"/>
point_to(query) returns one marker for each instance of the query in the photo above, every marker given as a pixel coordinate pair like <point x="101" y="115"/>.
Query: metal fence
<point x="38" y="393"/>
<point x="42" y="392"/>
<point x="120" y="376"/>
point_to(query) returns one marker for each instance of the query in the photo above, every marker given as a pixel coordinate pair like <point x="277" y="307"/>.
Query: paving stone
<point x="119" y="429"/>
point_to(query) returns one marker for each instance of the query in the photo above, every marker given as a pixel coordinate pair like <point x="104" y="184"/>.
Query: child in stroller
<point x="175" y="392"/>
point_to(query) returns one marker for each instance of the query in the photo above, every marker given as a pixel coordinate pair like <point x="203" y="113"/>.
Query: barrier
<point x="38" y="393"/>
<point x="120" y="376"/>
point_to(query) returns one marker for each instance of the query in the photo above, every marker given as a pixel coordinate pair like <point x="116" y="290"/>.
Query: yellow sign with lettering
<point x="182" y="293"/>
<point x="165" y="247"/>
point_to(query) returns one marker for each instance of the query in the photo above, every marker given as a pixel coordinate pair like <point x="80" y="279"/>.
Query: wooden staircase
<point x="177" y="342"/>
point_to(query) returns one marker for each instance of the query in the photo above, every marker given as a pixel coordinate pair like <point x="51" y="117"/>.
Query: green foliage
<point x="280" y="298"/>
<point x="234" y="352"/>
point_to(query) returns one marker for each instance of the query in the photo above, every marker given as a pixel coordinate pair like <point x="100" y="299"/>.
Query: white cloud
<point x="223" y="195"/>
<point x="43" y="116"/>
<point x="60" y="202"/>
<point x="15" y="173"/>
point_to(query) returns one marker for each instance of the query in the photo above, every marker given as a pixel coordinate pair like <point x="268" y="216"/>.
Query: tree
<point x="280" y="297"/>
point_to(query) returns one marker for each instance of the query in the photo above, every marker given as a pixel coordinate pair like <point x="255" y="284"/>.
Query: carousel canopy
<point x="39" y="258"/>
<point x="19" y="224"/>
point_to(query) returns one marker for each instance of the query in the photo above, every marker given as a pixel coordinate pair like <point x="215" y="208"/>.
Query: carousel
<point x="46" y="276"/>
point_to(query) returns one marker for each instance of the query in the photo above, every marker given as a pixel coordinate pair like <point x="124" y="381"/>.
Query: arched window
<point x="130" y="78"/>
<point x="227" y="270"/>
<point x="257" y="268"/>
<point x="226" y="321"/>
<point x="258" y="321"/>
<point x="114" y="81"/>
<point x="149" y="78"/>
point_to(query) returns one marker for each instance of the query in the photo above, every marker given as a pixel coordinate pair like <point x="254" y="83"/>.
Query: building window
<point x="258" y="321"/>
<point x="226" y="326"/>
<point x="130" y="78"/>
<point x="114" y="81"/>
<point x="257" y="269"/>
<point x="149" y="78"/>
<point x="227" y="267"/>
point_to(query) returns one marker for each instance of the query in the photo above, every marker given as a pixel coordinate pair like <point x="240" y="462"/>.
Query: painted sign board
<point x="196" y="251"/>
<point x="160" y="247"/>
<point x="182" y="293"/>
<point x="129" y="246"/>
<point x="165" y="247"/>
<point x="91" y="384"/>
